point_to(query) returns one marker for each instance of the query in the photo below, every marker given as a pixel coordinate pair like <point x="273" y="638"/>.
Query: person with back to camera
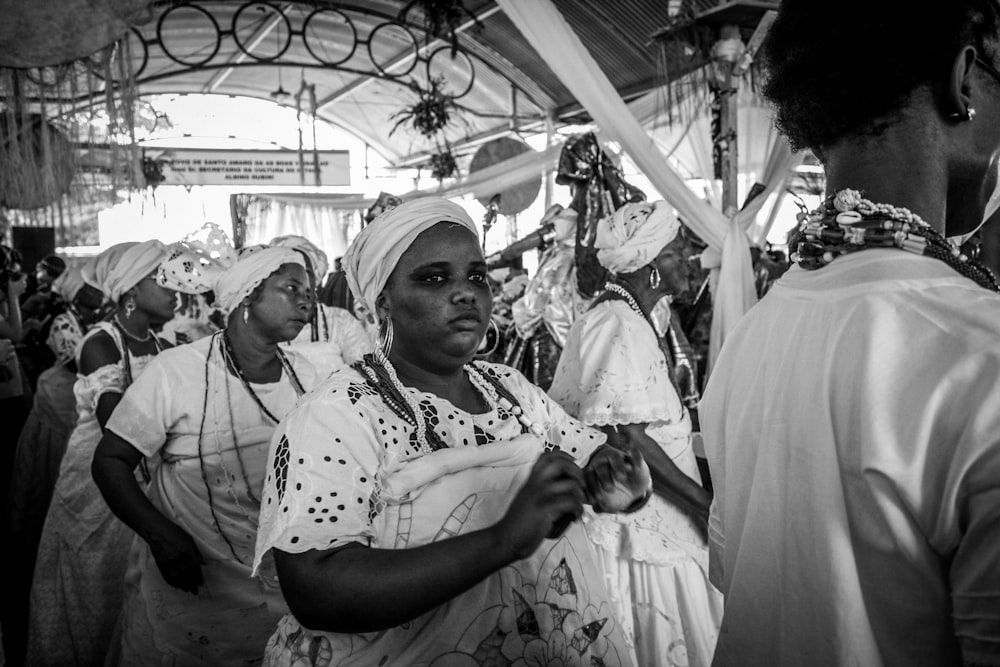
<point x="852" y="420"/>
<point x="420" y="506"/>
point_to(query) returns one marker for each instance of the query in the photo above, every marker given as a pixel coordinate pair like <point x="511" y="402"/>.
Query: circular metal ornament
<point x="452" y="75"/>
<point x="324" y="18"/>
<point x="192" y="59"/>
<point x="403" y="37"/>
<point x="269" y="12"/>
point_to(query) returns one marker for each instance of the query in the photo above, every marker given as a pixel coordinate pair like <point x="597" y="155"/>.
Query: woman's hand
<point x="177" y="557"/>
<point x="616" y="478"/>
<point x="551" y="498"/>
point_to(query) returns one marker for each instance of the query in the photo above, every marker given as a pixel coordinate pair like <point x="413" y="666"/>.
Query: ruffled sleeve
<point x="613" y="371"/>
<point x="107" y="379"/>
<point x="145" y="414"/>
<point x="321" y="475"/>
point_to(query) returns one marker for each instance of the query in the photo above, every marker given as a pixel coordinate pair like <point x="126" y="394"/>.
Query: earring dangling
<point x="496" y="340"/>
<point x="129" y="308"/>
<point x="654" y="278"/>
<point x="384" y="343"/>
<point x="969" y="114"/>
<point x="246" y="314"/>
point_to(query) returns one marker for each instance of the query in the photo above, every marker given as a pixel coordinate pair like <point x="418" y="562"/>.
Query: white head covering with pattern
<point x="253" y="267"/>
<point x="373" y="255"/>
<point x="194" y="263"/>
<point x="632" y="237"/>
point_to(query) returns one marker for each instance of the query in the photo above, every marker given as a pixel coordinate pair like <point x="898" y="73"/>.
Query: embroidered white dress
<point x="655" y="560"/>
<point x="340" y="341"/>
<point x="77" y="590"/>
<point x="210" y="486"/>
<point x="344" y="468"/>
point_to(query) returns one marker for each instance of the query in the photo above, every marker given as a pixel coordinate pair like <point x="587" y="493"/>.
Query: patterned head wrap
<point x="120" y="268"/>
<point x="250" y="270"/>
<point x="194" y="263"/>
<point x="317" y="257"/>
<point x="634" y="235"/>
<point x="68" y="283"/>
<point x="373" y="255"/>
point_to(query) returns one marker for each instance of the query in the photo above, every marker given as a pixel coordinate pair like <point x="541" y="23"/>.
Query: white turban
<point x="373" y="255"/>
<point x="120" y="268"/>
<point x="68" y="283"/>
<point x="632" y="237"/>
<point x="250" y="270"/>
<point x="317" y="257"/>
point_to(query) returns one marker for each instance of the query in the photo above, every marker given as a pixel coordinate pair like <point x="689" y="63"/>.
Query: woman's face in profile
<point x="284" y="303"/>
<point x="439" y="297"/>
<point x="679" y="276"/>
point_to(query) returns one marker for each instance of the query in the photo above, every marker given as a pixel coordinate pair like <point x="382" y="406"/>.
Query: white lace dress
<point x="78" y="586"/>
<point x="655" y="560"/>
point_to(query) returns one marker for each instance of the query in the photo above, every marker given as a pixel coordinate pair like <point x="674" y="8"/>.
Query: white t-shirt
<point x="852" y="425"/>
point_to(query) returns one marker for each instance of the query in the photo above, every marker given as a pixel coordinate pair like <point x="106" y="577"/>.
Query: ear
<point x="958" y="95"/>
<point x="383" y="306"/>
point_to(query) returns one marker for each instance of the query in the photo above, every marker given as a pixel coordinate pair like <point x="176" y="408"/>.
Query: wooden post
<point x="726" y="61"/>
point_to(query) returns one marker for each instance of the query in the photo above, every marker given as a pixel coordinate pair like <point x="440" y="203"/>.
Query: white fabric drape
<point x="561" y="49"/>
<point x="321" y="220"/>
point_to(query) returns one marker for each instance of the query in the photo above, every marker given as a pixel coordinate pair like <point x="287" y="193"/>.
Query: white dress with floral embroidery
<point x="78" y="587"/>
<point x="344" y="468"/>
<point x="612" y="371"/>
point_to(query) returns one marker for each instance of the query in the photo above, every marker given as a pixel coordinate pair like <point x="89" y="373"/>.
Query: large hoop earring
<point x="654" y="278"/>
<point x="486" y="338"/>
<point x="129" y="308"/>
<point x="384" y="343"/>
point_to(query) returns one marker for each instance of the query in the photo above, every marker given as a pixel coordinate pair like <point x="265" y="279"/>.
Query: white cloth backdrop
<point x="551" y="36"/>
<point x="319" y="218"/>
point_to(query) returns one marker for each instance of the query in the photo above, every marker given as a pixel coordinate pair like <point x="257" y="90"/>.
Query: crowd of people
<point x="204" y="463"/>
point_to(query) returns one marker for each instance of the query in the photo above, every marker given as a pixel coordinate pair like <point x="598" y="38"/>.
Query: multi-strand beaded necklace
<point x="847" y="222"/>
<point x="381" y="376"/>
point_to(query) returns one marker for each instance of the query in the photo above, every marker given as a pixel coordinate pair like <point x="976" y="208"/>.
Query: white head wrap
<point x="250" y="270"/>
<point x="120" y="268"/>
<point x="631" y="237"/>
<point x="317" y="257"/>
<point x="194" y="263"/>
<point x="373" y="255"/>
<point x="68" y="283"/>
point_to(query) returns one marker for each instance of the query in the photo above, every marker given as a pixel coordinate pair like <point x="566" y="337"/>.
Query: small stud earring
<point x="969" y="114"/>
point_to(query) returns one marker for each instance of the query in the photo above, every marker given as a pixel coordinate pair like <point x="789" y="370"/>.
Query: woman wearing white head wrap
<point x="76" y="594"/>
<point x="616" y="373"/>
<point x="208" y="410"/>
<point x="409" y="497"/>
<point x="334" y="337"/>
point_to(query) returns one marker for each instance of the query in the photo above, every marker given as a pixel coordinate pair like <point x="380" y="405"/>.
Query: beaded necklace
<point x="220" y="340"/>
<point x="381" y="376"/>
<point x="847" y="222"/>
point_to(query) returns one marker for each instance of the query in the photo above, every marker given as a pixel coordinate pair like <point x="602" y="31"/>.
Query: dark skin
<point x="439" y="301"/>
<point x="947" y="165"/>
<point x="678" y="278"/>
<point x="277" y="312"/>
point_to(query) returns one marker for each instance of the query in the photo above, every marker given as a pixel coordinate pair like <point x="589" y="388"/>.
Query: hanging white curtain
<point x="319" y="219"/>
<point x="561" y="49"/>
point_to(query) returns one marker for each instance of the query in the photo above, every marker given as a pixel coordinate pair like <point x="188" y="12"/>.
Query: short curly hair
<point x="842" y="68"/>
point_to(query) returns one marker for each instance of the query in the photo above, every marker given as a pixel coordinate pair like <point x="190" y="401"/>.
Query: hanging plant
<point x="430" y="113"/>
<point x="152" y="172"/>
<point x="441" y="19"/>
<point x="443" y="165"/>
